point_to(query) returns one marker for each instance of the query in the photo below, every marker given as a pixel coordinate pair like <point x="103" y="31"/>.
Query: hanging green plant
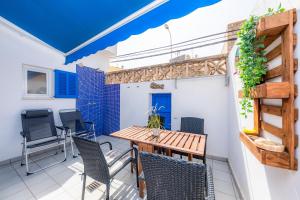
<point x="252" y="61"/>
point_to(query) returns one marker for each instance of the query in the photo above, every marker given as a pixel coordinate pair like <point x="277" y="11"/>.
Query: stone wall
<point x="208" y="66"/>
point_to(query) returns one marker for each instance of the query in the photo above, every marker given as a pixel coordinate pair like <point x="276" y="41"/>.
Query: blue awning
<point x="173" y="9"/>
<point x="66" y="24"/>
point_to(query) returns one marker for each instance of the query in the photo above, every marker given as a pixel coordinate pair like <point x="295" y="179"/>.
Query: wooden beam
<point x="273" y="110"/>
<point x="277" y="71"/>
<point x="276" y="110"/>
<point x="272" y="129"/>
<point x="274" y="53"/>
<point x="288" y="121"/>
<point x="272" y="90"/>
<point x="256" y="113"/>
<point x="273" y="73"/>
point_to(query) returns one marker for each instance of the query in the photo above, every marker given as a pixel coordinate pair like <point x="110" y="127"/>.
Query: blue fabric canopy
<point x="66" y="24"/>
<point x="172" y="9"/>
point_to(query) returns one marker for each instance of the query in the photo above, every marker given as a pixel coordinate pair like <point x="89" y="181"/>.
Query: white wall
<point x="202" y="97"/>
<point x="16" y="50"/>
<point x="257" y="181"/>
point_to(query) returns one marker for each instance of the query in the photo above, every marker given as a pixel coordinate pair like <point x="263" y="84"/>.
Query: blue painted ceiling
<point x="65" y="24"/>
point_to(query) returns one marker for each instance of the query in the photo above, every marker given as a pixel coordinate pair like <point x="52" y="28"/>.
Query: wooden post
<point x="256" y="111"/>
<point x="288" y="104"/>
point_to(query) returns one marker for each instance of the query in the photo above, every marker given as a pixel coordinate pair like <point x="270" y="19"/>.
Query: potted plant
<point x="252" y="64"/>
<point x="154" y="121"/>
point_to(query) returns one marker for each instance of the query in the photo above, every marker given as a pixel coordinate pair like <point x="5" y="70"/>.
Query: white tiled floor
<point x="63" y="181"/>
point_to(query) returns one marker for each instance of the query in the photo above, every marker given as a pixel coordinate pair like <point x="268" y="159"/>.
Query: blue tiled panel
<point x="90" y="99"/>
<point x="111" y="120"/>
<point x="98" y="102"/>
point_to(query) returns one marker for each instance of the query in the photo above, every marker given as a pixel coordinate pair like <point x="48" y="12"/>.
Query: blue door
<point x="163" y="101"/>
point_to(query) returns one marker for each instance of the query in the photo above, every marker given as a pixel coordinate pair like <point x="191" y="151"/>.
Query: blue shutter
<point x="72" y="85"/>
<point x="66" y="84"/>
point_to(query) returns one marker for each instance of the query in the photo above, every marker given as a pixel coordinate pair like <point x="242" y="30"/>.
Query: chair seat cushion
<point x="122" y="162"/>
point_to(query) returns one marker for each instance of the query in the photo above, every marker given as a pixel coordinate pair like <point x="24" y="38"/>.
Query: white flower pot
<point x="155" y="132"/>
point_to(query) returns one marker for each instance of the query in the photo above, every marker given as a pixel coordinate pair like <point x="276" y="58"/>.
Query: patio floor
<point x="63" y="181"/>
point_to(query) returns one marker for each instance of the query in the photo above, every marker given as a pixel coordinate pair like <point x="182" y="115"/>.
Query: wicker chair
<point x="102" y="167"/>
<point x="193" y="125"/>
<point x="175" y="179"/>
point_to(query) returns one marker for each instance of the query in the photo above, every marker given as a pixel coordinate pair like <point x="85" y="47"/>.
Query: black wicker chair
<point x="168" y="178"/>
<point x="103" y="167"/>
<point x="193" y="125"/>
<point x="40" y="133"/>
<point x="74" y="124"/>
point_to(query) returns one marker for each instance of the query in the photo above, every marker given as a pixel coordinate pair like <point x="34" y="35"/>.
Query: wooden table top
<point x="174" y="140"/>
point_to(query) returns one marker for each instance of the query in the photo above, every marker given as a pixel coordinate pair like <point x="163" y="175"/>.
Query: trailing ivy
<point x="252" y="61"/>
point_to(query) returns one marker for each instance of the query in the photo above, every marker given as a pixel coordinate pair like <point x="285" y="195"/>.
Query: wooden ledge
<point x="275" y="24"/>
<point x="274" y="159"/>
<point x="270" y="90"/>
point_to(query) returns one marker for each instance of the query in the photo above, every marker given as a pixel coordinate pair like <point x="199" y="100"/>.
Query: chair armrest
<point x="123" y="154"/>
<point x="210" y="185"/>
<point x="22" y="133"/>
<point x="88" y="122"/>
<point x="60" y="128"/>
<point x="109" y="144"/>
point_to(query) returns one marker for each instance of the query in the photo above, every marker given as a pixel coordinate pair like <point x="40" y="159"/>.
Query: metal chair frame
<point x="69" y="133"/>
<point x="33" y="146"/>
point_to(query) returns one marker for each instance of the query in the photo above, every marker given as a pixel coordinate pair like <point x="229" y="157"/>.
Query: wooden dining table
<point x="171" y="141"/>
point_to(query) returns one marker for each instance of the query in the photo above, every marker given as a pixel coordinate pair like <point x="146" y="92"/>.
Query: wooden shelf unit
<point x="279" y="25"/>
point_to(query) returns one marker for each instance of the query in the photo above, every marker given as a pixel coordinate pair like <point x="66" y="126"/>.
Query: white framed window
<point x="38" y="82"/>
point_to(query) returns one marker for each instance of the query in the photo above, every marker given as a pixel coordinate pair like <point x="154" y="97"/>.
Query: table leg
<point x="190" y="157"/>
<point x="169" y="152"/>
<point x="131" y="154"/>
<point x="147" y="148"/>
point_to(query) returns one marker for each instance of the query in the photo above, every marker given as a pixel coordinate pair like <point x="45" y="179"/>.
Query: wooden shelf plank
<point x="272" y="129"/>
<point x="277" y="71"/>
<point x="273" y="110"/>
<point x="272" y="90"/>
<point x="274" y="25"/>
<point x="270" y="158"/>
<point x="276" y="110"/>
<point x="274" y="53"/>
<point x="273" y="73"/>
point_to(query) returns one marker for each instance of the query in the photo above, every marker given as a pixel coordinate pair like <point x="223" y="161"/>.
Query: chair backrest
<point x="38" y="124"/>
<point x="95" y="165"/>
<point x="172" y="179"/>
<point x="192" y="125"/>
<point x="72" y="119"/>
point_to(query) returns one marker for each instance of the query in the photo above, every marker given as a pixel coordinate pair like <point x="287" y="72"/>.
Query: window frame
<point x="49" y="80"/>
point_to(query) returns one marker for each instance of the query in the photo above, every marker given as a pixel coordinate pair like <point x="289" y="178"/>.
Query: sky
<point x="201" y="22"/>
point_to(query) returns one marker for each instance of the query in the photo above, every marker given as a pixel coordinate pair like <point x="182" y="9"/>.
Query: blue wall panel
<point x="111" y="108"/>
<point x="98" y="102"/>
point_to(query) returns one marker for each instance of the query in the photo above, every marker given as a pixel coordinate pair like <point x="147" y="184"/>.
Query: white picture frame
<point x="49" y="82"/>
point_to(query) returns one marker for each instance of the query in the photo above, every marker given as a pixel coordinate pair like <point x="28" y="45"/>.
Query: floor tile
<point x="221" y="166"/>
<point x="13" y="189"/>
<point x="21" y="195"/>
<point x="223" y="176"/>
<point x="224" y="187"/>
<point x="223" y="196"/>
<point x="64" y="181"/>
